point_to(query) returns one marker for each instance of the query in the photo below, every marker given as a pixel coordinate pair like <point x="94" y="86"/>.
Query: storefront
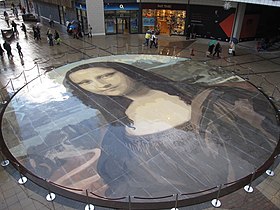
<point x="165" y="18"/>
<point x="121" y="18"/>
<point x="81" y="12"/>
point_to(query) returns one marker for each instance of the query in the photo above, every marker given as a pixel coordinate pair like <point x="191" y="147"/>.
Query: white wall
<point x="263" y="2"/>
<point x="199" y="2"/>
<point x="95" y="15"/>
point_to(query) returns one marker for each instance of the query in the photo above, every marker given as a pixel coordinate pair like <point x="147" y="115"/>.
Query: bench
<point x="7" y="33"/>
<point x="30" y="17"/>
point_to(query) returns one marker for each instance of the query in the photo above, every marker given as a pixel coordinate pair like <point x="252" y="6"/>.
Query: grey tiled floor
<point x="262" y="69"/>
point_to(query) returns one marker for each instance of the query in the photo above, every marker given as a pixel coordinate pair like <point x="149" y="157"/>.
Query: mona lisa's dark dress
<point x="222" y="143"/>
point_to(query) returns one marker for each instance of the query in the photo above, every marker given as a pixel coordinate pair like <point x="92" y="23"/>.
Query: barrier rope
<point x="17" y="76"/>
<point x="4" y="87"/>
<point x="30" y="69"/>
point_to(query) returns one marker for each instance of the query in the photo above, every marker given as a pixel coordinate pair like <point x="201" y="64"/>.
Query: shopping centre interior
<point x="105" y="122"/>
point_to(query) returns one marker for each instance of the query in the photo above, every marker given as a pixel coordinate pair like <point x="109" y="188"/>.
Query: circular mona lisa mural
<point x="140" y="125"/>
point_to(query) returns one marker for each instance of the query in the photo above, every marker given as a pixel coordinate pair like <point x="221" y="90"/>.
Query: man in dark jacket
<point x="8" y="48"/>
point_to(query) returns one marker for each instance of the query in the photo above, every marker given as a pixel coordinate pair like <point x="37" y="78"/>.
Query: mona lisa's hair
<point x="118" y="104"/>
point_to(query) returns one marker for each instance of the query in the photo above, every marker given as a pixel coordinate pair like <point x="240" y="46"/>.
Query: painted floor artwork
<point x="125" y="126"/>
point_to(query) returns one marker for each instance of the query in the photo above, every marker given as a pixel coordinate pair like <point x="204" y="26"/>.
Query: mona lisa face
<point x="103" y="81"/>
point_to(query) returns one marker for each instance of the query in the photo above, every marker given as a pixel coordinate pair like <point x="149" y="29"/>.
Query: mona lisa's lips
<point x="110" y="89"/>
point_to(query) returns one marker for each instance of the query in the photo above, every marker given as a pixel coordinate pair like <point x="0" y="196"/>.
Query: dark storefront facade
<point x="211" y="22"/>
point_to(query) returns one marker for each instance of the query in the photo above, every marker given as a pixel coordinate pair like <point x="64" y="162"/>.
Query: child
<point x="19" y="50"/>
<point x="89" y="31"/>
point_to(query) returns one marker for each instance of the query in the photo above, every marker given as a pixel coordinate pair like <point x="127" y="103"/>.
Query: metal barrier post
<point x="24" y="76"/>
<point x="38" y="69"/>
<point x="12" y="85"/>
<point x="247" y="77"/>
<point x="88" y="206"/>
<point x="50" y="196"/>
<point x="66" y="57"/>
<point x="22" y="179"/>
<point x="129" y="202"/>
<point x="260" y="85"/>
<point x="126" y="46"/>
<point x="3" y="101"/>
<point x="4" y="162"/>
<point x="174" y="50"/>
<point x="272" y="95"/>
<point x="270" y="171"/>
<point x="248" y="187"/>
<point x="176" y="203"/>
<point x="216" y="202"/>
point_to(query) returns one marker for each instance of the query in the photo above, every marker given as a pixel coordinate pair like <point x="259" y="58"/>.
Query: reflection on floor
<point x="101" y="130"/>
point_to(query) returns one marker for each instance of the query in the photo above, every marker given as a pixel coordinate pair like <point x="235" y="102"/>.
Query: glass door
<point x="82" y="18"/>
<point x="123" y="25"/>
<point x="62" y="15"/>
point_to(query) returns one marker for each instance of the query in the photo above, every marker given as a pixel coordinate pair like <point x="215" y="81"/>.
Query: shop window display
<point x="171" y="22"/>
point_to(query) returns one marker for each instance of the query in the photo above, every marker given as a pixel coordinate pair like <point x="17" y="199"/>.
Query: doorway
<point x="62" y="14"/>
<point x="123" y="25"/>
<point x="82" y="18"/>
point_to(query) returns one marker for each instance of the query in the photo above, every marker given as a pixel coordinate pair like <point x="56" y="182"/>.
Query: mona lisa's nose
<point x="102" y="84"/>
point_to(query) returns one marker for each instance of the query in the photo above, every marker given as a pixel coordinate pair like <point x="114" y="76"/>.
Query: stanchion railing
<point x="216" y="202"/>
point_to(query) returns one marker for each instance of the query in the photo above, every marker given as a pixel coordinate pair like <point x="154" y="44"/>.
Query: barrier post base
<point x="216" y="203"/>
<point x="22" y="180"/>
<point x="248" y="189"/>
<point x="5" y="163"/>
<point x="269" y="172"/>
<point x="89" y="207"/>
<point x="50" y="197"/>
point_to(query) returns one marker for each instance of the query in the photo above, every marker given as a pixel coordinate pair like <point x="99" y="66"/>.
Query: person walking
<point x="38" y="30"/>
<point x="210" y="50"/>
<point x="89" y="31"/>
<point x="14" y="25"/>
<point x="35" y="32"/>
<point x="16" y="13"/>
<point x="23" y="28"/>
<point x="7" y="19"/>
<point x="19" y="50"/>
<point x="153" y="40"/>
<point x="147" y="37"/>
<point x="1" y="51"/>
<point x="232" y="48"/>
<point x="8" y="48"/>
<point x="50" y="37"/>
<point x="57" y="38"/>
<point x="217" y="50"/>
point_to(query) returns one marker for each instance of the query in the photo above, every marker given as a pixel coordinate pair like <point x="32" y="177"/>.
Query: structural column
<point x="95" y="16"/>
<point x="238" y="20"/>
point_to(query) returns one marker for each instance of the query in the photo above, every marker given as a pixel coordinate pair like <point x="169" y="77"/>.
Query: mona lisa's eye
<point x="85" y="81"/>
<point x="107" y="75"/>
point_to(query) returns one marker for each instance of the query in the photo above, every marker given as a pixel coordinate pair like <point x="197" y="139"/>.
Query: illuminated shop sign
<point x="121" y="7"/>
<point x="164" y="6"/>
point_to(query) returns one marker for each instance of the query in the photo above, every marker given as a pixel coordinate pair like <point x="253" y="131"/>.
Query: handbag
<point x="230" y="51"/>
